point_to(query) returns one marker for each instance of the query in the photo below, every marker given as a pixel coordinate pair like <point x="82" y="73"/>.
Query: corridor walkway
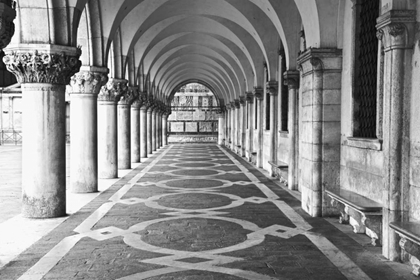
<point x="197" y="212"/>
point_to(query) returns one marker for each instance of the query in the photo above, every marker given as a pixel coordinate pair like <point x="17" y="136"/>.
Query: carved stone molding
<point x="113" y="90"/>
<point x="89" y="80"/>
<point x="50" y="64"/>
<point x="272" y="87"/>
<point x="7" y="27"/>
<point x="258" y="93"/>
<point x="314" y="59"/>
<point x="291" y="79"/>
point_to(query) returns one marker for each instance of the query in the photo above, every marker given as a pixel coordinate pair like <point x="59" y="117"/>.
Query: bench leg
<point x="414" y="251"/>
<point x="344" y="217"/>
<point x="355" y="220"/>
<point x="373" y="224"/>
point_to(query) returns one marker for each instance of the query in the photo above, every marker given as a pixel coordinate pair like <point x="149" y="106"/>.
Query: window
<point x="365" y="69"/>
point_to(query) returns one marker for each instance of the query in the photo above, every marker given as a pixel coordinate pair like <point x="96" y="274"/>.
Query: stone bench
<point x="409" y="233"/>
<point x="279" y="170"/>
<point x="362" y="213"/>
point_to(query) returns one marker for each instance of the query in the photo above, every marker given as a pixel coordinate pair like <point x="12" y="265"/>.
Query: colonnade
<point x="112" y="125"/>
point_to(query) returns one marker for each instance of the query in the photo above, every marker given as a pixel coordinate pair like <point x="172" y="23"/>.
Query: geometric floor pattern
<point x="195" y="212"/>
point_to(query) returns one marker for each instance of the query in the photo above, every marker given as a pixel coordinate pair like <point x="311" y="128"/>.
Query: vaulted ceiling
<point x="230" y="45"/>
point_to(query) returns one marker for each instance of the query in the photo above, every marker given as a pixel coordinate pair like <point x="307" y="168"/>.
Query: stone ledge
<point x="364" y="143"/>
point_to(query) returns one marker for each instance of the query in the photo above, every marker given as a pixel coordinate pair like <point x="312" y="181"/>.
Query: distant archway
<point x="194" y="117"/>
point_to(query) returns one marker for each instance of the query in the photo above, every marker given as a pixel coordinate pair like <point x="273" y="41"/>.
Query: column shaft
<point x="107" y="140"/>
<point x="143" y="132"/>
<point x="154" y="123"/>
<point x="149" y="131"/>
<point x="135" y="134"/>
<point x="165" y="129"/>
<point x="44" y="151"/>
<point x="221" y="129"/>
<point x="124" y="135"/>
<point x="84" y="143"/>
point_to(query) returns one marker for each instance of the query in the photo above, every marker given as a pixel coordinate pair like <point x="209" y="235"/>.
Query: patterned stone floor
<point x="196" y="212"/>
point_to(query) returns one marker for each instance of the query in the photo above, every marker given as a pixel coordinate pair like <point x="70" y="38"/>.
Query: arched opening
<point x="194" y="117"/>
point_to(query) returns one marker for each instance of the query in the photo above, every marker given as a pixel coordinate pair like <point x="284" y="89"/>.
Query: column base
<point x="311" y="202"/>
<point x="44" y="207"/>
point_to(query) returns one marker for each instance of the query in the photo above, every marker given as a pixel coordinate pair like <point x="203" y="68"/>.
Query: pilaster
<point x="396" y="29"/>
<point x="321" y="128"/>
<point x="291" y="80"/>
<point x="258" y="143"/>
<point x="273" y="90"/>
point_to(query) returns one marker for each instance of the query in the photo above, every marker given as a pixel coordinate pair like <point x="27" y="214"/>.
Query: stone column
<point x="165" y="128"/>
<point x="135" y="127"/>
<point x="44" y="123"/>
<point x="321" y="128"/>
<point x="250" y="140"/>
<point x="154" y="122"/>
<point x="396" y="29"/>
<point x="258" y="93"/>
<point x="228" y="124"/>
<point x="291" y="79"/>
<point x="149" y="129"/>
<point x="124" y="133"/>
<point x="160" y="129"/>
<point x="7" y="27"/>
<point x="107" y="128"/>
<point x="221" y="128"/>
<point x="143" y="127"/>
<point x="243" y="126"/>
<point x="85" y="87"/>
<point x="232" y="126"/>
<point x="238" y="125"/>
<point x="273" y="89"/>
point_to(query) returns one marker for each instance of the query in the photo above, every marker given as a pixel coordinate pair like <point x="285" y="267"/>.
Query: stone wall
<point x="194" y="117"/>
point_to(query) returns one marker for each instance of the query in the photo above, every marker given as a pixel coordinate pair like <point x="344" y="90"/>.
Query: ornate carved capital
<point x="89" y="80"/>
<point x="50" y="64"/>
<point x="242" y="100"/>
<point x="7" y="27"/>
<point x="249" y="97"/>
<point x="396" y="29"/>
<point x="128" y="96"/>
<point x="237" y="103"/>
<point x="272" y="87"/>
<point x="291" y="79"/>
<point x="113" y="90"/>
<point x="258" y="93"/>
<point x="137" y="101"/>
